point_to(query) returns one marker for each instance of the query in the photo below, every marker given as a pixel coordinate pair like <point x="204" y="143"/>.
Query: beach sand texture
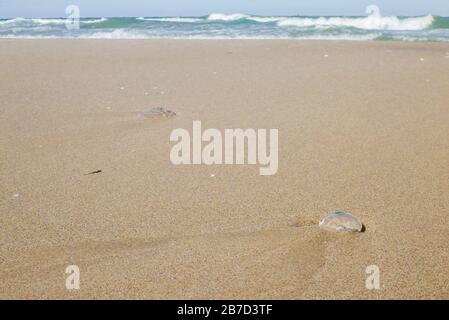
<point x="363" y="128"/>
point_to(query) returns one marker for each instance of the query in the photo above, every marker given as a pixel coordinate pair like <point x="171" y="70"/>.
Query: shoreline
<point x="230" y="39"/>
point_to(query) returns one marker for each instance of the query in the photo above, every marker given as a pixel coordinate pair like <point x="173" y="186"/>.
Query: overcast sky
<point x="135" y="8"/>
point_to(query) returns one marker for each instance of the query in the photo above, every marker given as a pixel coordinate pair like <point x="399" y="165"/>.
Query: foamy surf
<point x="374" y="26"/>
<point x="30" y="22"/>
<point x="172" y="19"/>
<point x="94" y="21"/>
<point x="227" y="17"/>
<point x="372" y="22"/>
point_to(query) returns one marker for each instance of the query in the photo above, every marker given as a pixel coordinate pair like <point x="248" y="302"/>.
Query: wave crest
<point x="10" y="21"/>
<point x="172" y="19"/>
<point x="46" y="21"/>
<point x="94" y="21"/>
<point x="372" y="22"/>
<point x="227" y="17"/>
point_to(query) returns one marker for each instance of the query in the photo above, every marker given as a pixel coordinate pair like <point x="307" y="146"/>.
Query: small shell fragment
<point x="339" y="221"/>
<point x="157" y="112"/>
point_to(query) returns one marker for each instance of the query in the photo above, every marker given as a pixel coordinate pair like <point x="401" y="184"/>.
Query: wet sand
<point x="363" y="127"/>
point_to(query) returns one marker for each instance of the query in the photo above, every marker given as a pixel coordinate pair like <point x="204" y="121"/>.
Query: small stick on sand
<point x="93" y="172"/>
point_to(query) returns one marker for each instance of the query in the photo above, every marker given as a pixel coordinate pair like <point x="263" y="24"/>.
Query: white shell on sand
<point x="339" y="221"/>
<point x="157" y="112"/>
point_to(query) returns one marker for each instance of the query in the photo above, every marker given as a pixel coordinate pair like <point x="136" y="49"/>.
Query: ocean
<point x="236" y="26"/>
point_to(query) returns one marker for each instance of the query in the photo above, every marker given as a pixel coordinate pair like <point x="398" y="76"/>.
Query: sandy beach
<point x="363" y="127"/>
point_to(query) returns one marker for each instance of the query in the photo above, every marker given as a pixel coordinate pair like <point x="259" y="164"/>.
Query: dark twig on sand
<point x="93" y="172"/>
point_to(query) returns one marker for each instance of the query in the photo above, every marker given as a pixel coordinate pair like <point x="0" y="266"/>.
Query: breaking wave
<point x="373" y="26"/>
<point x="372" y="22"/>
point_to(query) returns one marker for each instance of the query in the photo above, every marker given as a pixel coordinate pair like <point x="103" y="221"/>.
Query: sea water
<point x="236" y="26"/>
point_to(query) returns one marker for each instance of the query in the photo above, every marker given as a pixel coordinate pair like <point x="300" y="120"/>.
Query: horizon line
<point x="206" y="15"/>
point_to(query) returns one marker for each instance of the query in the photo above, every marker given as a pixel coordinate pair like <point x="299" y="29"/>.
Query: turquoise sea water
<point x="236" y="26"/>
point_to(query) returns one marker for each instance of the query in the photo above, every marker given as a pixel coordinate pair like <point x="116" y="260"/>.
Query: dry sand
<point x="363" y="127"/>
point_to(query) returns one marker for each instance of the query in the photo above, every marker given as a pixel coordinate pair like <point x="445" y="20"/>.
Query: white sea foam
<point x="33" y="21"/>
<point x="94" y="21"/>
<point x="240" y="16"/>
<point x="344" y="37"/>
<point x="227" y="17"/>
<point x="48" y="21"/>
<point x="11" y="36"/>
<point x="117" y="34"/>
<point x="42" y="21"/>
<point x="172" y="19"/>
<point x="372" y="22"/>
<point x="237" y="26"/>
<point x="135" y="34"/>
<point x="264" y="19"/>
<point x="12" y="21"/>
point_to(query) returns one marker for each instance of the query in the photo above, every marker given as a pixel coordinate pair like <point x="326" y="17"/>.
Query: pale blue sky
<point x="108" y="8"/>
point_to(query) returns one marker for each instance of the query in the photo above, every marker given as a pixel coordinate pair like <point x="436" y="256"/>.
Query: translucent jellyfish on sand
<point x="339" y="221"/>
